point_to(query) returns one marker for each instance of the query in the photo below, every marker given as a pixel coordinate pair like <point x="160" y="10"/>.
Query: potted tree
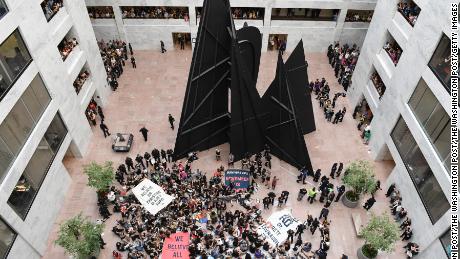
<point x="381" y="233"/>
<point x="80" y="237"/>
<point x="359" y="176"/>
<point x="100" y="177"/>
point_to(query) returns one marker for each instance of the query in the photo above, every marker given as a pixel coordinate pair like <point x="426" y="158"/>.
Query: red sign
<point x="176" y="246"/>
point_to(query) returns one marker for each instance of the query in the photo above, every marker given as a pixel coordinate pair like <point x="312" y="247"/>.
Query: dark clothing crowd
<point x="343" y="59"/>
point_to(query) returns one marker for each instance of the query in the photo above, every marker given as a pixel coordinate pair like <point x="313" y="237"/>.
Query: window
<point x="3" y="12"/>
<point x="20" y="122"/>
<point x="393" y="49"/>
<point x="359" y="16"/>
<point x="27" y="187"/>
<point x="378" y="84"/>
<point x="82" y="77"/>
<point x="7" y="236"/>
<point x="409" y="11"/>
<point x="154" y="12"/>
<point x="50" y="8"/>
<point x="14" y="60"/>
<point x="440" y="62"/>
<point x="445" y="241"/>
<point x="305" y="14"/>
<point x="434" y="120"/>
<point x="67" y="44"/>
<point x="428" y="188"/>
<point x="101" y="12"/>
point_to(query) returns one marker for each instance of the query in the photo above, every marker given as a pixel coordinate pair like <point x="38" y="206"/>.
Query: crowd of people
<point x="393" y="50"/>
<point x="66" y="46"/>
<point x="155" y="12"/>
<point x="114" y="54"/>
<point x="92" y="111"/>
<point x="80" y="80"/>
<point x="400" y="216"/>
<point x="51" y="7"/>
<point x="202" y="208"/>
<point x="359" y="16"/>
<point x="322" y="91"/>
<point x="247" y="13"/>
<point x="409" y="10"/>
<point x="378" y="83"/>
<point x="343" y="59"/>
<point x="101" y="12"/>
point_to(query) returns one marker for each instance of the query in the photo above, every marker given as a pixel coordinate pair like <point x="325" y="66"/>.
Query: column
<point x="119" y="23"/>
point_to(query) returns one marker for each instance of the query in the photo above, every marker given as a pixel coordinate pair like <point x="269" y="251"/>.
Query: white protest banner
<point x="276" y="226"/>
<point x="151" y="196"/>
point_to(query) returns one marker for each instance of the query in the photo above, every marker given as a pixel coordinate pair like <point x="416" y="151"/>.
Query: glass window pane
<point x="445" y="241"/>
<point x="425" y="182"/>
<point x="440" y="62"/>
<point x="433" y="119"/>
<point x="19" y="123"/>
<point x="14" y="58"/>
<point x="6" y="156"/>
<point x="27" y="187"/>
<point x="3" y="12"/>
<point x="16" y="127"/>
<point x="7" y="236"/>
<point x="51" y="7"/>
<point x="56" y="133"/>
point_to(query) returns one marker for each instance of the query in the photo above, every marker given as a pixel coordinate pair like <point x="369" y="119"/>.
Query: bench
<point x="357" y="223"/>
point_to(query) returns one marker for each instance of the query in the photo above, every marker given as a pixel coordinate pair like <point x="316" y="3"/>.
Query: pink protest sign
<point x="176" y="246"/>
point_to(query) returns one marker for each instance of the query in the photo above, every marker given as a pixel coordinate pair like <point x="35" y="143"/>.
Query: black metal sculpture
<point x="282" y="129"/>
<point x="205" y="117"/>
<point x="226" y="60"/>
<point x="246" y="131"/>
<point x="296" y="68"/>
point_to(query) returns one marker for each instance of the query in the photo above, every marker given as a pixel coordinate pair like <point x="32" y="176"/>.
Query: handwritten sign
<point x="176" y="246"/>
<point x="239" y="178"/>
<point x="151" y="196"/>
<point x="276" y="227"/>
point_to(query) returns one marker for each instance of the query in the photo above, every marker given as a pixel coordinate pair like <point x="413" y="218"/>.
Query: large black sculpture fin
<point x="296" y="68"/>
<point x="246" y="132"/>
<point x="283" y="130"/>
<point x="205" y="117"/>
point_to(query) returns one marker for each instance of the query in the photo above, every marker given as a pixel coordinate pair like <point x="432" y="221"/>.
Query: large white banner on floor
<point x="277" y="225"/>
<point x="151" y="196"/>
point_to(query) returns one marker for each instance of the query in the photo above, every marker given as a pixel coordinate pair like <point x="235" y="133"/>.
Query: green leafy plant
<point x="359" y="176"/>
<point x="381" y="233"/>
<point x="100" y="177"/>
<point x="79" y="236"/>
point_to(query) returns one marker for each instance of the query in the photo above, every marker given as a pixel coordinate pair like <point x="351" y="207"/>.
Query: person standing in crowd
<point x="390" y="190"/>
<point x="283" y="47"/>
<point x="130" y="49"/>
<point x="369" y="203"/>
<point x="181" y="42"/>
<point x="133" y="61"/>
<point x="104" y="129"/>
<point x="162" y="44"/>
<point x="171" y="121"/>
<point x="340" y="192"/>
<point x="311" y="195"/>
<point x="217" y="154"/>
<point x="129" y="163"/>
<point x="144" y="131"/>
<point x="274" y="182"/>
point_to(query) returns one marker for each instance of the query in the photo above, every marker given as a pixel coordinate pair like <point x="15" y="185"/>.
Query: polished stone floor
<point x="145" y="97"/>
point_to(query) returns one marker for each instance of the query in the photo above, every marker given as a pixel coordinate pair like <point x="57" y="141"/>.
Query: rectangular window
<point x="393" y="49"/>
<point x="7" y="236"/>
<point x="14" y="59"/>
<point x="27" y="187"/>
<point x="154" y="12"/>
<point x="82" y="77"/>
<point x="51" y="7"/>
<point x="305" y="14"/>
<point x="409" y="11"/>
<point x="434" y="120"/>
<point x="359" y="15"/>
<point x="68" y="43"/>
<point x="100" y="12"/>
<point x="378" y="84"/>
<point x="3" y="11"/>
<point x="428" y="188"/>
<point x="445" y="241"/>
<point x="19" y="123"/>
<point x="440" y="62"/>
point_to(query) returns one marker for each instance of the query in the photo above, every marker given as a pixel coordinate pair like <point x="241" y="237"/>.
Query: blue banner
<point x="240" y="178"/>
